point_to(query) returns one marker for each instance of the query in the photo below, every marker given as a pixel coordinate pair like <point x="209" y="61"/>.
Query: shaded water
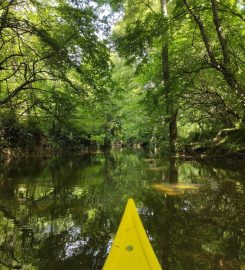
<point x="62" y="213"/>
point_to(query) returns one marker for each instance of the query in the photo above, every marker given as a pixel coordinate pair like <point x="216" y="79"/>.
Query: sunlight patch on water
<point x="175" y="189"/>
<point x="155" y="169"/>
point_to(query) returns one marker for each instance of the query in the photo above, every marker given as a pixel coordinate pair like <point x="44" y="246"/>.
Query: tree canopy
<point x="165" y="74"/>
<point x="53" y="63"/>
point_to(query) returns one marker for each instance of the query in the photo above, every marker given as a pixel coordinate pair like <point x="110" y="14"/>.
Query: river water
<point x="62" y="213"/>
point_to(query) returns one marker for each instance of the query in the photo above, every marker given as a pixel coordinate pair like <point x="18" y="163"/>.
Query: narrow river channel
<point x="62" y="213"/>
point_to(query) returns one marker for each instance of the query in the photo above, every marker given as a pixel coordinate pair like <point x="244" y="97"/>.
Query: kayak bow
<point x="131" y="249"/>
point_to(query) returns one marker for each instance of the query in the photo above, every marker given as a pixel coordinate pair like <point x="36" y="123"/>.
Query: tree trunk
<point x="173" y="131"/>
<point x="170" y="107"/>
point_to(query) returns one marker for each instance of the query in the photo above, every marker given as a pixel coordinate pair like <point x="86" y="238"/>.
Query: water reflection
<point x="62" y="213"/>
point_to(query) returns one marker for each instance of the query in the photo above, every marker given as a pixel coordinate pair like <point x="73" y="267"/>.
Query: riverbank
<point x="229" y="143"/>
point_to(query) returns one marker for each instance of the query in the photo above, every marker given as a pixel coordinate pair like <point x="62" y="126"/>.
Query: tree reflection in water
<point x="62" y="213"/>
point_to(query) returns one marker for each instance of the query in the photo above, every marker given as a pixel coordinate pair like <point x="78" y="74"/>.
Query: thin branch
<point x="205" y="37"/>
<point x="148" y="5"/>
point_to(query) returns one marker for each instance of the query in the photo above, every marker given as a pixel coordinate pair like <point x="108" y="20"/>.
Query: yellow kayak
<point x="131" y="249"/>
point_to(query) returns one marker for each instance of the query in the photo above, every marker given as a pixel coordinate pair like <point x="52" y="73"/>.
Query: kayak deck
<point x="131" y="249"/>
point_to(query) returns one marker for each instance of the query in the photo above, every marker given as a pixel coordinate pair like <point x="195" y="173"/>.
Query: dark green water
<point x="62" y="213"/>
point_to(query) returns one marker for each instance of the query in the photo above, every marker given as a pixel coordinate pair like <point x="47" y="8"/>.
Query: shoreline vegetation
<point x="228" y="144"/>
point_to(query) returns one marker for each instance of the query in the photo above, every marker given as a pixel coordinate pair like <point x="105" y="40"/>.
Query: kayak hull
<point x="131" y="249"/>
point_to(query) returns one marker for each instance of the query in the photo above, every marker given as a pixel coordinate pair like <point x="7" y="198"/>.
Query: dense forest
<point x="168" y="75"/>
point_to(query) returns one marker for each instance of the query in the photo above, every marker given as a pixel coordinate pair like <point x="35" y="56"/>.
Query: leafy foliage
<point x="52" y="62"/>
<point x="206" y="57"/>
<point x="61" y="78"/>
